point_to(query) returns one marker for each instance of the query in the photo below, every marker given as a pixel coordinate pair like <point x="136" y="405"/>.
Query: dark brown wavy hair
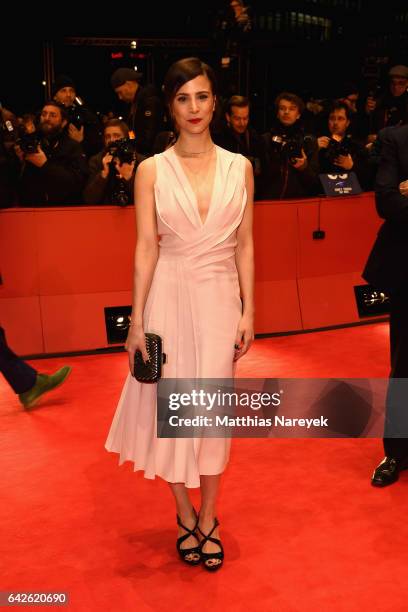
<point x="183" y="71"/>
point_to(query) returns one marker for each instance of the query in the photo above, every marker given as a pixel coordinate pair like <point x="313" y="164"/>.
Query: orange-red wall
<point x="62" y="266"/>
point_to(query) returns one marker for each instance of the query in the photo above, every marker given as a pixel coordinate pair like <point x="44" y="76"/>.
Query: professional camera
<point x="337" y="148"/>
<point x="29" y="142"/>
<point x="118" y="190"/>
<point x="77" y="114"/>
<point x="288" y="147"/>
<point x="13" y="134"/>
<point x="119" y="195"/>
<point x="124" y="150"/>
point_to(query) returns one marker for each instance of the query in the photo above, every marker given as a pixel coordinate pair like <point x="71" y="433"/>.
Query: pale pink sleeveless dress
<point x="194" y="305"/>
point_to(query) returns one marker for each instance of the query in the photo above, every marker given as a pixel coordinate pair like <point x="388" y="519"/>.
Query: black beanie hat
<point x="61" y="81"/>
<point x="121" y="75"/>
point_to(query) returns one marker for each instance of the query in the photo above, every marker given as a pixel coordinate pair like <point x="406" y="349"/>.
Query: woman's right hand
<point x="136" y="341"/>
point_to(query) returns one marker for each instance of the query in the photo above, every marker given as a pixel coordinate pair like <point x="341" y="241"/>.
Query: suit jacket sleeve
<point x="391" y="205"/>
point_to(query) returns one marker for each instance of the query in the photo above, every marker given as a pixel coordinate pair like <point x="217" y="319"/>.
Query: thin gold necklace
<point x="183" y="153"/>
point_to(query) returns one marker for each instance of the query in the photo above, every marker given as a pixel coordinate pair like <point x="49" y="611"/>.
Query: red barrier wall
<point x="62" y="266"/>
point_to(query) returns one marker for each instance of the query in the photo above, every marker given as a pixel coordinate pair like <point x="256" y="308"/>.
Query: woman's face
<point x="193" y="105"/>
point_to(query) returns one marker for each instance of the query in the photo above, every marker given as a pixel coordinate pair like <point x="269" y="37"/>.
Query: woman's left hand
<point x="244" y="337"/>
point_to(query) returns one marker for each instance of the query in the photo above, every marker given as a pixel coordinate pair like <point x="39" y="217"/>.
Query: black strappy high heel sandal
<point x="193" y="552"/>
<point x="209" y="558"/>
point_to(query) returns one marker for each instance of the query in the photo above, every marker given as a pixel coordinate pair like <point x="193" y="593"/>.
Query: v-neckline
<point x="191" y="190"/>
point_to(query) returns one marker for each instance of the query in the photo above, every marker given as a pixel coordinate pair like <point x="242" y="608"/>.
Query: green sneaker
<point x="43" y="384"/>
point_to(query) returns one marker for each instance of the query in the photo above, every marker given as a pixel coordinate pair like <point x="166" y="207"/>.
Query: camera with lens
<point x="77" y="113"/>
<point x="13" y="134"/>
<point x="76" y="116"/>
<point x="123" y="150"/>
<point x="29" y="142"/>
<point x="288" y="147"/>
<point x="337" y="148"/>
<point x="119" y="194"/>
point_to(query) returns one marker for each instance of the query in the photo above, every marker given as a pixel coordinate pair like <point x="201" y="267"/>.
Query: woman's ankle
<point x="207" y="517"/>
<point x="187" y="513"/>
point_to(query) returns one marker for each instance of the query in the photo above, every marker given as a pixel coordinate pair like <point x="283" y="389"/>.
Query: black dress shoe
<point x="387" y="472"/>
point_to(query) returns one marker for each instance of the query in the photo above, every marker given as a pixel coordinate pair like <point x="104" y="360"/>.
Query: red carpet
<point x="302" y="527"/>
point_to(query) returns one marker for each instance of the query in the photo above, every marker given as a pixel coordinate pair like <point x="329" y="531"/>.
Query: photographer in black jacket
<point x="84" y="126"/>
<point x="146" y="113"/>
<point x="291" y="156"/>
<point x="53" y="166"/>
<point x="338" y="151"/>
<point x="391" y="108"/>
<point x="111" y="178"/>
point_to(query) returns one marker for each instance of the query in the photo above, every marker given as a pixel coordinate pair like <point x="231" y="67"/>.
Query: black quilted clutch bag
<point x="151" y="371"/>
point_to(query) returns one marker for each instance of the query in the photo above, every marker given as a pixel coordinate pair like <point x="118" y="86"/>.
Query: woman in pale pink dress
<point x="195" y="289"/>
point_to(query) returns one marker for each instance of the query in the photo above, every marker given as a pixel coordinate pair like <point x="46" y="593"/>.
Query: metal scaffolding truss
<point x="170" y="43"/>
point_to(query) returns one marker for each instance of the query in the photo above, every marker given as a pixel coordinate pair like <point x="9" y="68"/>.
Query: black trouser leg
<point x="397" y="399"/>
<point x="20" y="376"/>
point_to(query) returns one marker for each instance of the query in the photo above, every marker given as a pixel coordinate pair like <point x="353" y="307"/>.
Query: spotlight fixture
<point x="117" y="321"/>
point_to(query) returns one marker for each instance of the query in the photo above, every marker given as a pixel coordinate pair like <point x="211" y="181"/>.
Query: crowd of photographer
<point x="305" y="143"/>
<point x="67" y="155"/>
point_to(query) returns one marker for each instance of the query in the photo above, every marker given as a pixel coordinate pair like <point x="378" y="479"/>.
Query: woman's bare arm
<point x="146" y="254"/>
<point x="244" y="257"/>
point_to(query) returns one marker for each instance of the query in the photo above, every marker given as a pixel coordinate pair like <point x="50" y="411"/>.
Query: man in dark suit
<point x="387" y="269"/>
